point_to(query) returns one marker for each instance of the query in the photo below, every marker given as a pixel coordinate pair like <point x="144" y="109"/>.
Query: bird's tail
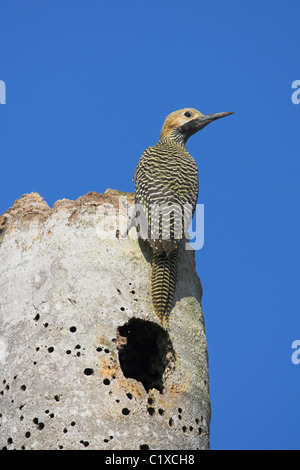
<point x="163" y="281"/>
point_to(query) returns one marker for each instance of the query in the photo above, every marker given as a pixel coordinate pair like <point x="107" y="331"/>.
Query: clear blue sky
<point x="88" y="85"/>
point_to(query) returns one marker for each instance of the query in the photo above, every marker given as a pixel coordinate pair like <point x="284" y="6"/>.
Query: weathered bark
<point x="84" y="362"/>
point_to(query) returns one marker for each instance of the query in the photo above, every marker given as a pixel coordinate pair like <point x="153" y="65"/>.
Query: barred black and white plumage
<point x="167" y="188"/>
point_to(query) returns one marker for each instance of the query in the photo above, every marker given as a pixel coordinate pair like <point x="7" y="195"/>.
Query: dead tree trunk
<point x="84" y="362"/>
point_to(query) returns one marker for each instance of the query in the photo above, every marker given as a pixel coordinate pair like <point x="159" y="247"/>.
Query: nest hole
<point x="145" y="352"/>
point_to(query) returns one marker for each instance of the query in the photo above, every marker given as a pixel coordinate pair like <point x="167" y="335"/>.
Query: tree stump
<point x="84" y="362"/>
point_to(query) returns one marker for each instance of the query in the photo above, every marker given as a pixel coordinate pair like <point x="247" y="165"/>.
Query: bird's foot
<point x="131" y="222"/>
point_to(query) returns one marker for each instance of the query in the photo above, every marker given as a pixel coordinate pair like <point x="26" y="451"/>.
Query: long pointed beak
<point x="208" y="118"/>
<point x="195" y="125"/>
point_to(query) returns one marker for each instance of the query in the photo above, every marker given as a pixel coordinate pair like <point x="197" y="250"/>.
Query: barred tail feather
<point x="163" y="282"/>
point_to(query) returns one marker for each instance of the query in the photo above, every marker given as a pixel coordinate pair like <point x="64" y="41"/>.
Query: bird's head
<point x="181" y="124"/>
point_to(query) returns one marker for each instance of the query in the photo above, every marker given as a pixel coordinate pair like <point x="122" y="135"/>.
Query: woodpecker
<point x="166" y="181"/>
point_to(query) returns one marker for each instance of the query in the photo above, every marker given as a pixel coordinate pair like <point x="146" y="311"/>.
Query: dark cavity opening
<point x="145" y="352"/>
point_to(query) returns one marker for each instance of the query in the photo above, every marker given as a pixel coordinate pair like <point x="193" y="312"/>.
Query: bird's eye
<point x="188" y="114"/>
